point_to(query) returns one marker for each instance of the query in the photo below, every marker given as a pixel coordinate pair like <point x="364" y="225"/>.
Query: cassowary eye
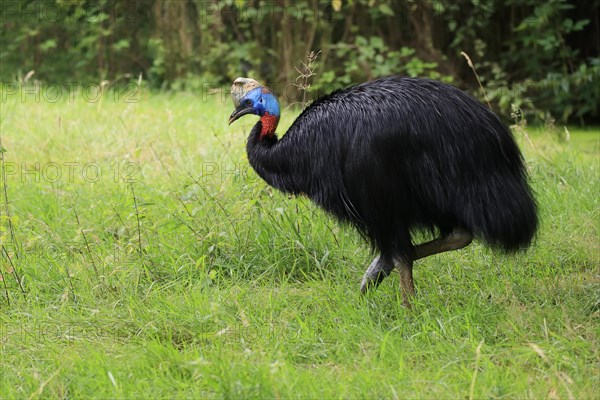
<point x="248" y="102"/>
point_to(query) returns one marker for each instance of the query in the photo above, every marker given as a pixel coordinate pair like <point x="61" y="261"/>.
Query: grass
<point x="155" y="263"/>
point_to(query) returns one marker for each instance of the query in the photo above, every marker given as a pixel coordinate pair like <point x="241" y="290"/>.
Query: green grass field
<point x="155" y="263"/>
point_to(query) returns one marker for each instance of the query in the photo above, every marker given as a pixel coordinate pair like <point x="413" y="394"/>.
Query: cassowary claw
<point x="375" y="274"/>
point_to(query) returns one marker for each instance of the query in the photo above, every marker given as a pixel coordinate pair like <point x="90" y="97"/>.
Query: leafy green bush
<point x="538" y="55"/>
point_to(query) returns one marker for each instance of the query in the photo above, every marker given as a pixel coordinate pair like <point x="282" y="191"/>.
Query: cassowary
<point x="393" y="156"/>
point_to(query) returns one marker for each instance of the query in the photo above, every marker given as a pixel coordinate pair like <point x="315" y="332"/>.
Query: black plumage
<point x="399" y="154"/>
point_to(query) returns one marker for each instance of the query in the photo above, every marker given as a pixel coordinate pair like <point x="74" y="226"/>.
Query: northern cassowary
<point x="396" y="155"/>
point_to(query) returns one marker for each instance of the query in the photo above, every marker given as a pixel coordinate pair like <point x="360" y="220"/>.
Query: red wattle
<point x="269" y="124"/>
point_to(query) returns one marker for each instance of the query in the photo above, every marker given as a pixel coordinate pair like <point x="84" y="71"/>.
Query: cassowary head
<point x="258" y="101"/>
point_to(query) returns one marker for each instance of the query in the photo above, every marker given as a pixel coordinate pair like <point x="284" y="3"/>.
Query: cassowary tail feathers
<point x="509" y="221"/>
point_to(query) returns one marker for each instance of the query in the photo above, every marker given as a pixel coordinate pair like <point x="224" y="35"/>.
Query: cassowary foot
<point x="375" y="274"/>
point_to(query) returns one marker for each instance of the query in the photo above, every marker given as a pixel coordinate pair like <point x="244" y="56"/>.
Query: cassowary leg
<point x="376" y="273"/>
<point x="407" y="286"/>
<point x="456" y="239"/>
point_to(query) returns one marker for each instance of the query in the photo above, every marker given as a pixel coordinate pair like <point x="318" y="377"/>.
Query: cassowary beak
<point x="240" y="111"/>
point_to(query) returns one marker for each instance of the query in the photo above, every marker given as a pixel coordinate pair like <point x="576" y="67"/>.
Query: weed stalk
<point x="466" y="56"/>
<point x="87" y="243"/>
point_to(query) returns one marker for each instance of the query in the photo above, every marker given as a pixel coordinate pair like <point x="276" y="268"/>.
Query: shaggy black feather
<point x="398" y="154"/>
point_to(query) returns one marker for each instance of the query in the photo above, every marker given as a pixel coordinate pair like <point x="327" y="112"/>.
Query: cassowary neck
<point x="261" y="144"/>
<point x="272" y="159"/>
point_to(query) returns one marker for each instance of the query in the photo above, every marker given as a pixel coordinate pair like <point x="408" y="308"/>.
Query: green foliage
<point x="373" y="58"/>
<point x="575" y="94"/>
<point x="537" y="54"/>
